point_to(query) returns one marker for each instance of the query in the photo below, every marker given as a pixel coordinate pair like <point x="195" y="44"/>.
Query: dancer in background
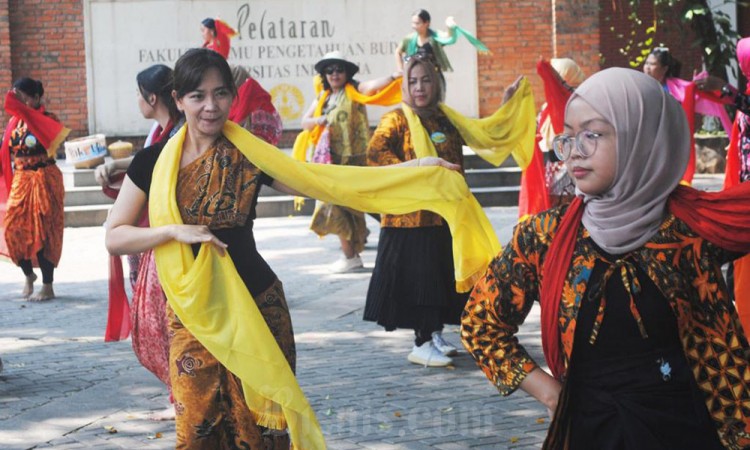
<point x="147" y="313"/>
<point x="738" y="162"/>
<point x="545" y="182"/>
<point x="429" y="41"/>
<point x="663" y="67"/>
<point x="253" y="109"/>
<point x="32" y="229"/>
<point x="413" y="284"/>
<point x="337" y="132"/>
<point x="217" y="35"/>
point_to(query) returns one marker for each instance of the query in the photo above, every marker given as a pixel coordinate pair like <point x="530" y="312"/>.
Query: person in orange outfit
<point x="34" y="221"/>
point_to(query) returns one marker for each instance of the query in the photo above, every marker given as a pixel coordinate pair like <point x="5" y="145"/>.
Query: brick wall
<point x="516" y="33"/>
<point x="672" y="34"/>
<point x="519" y="32"/>
<point x="5" y="64"/>
<point x="47" y="43"/>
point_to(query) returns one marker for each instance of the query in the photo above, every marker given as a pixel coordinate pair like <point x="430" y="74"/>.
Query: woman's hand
<point x="543" y="387"/>
<point x="103" y="172"/>
<point x="511" y="90"/>
<point x="435" y="161"/>
<point x="196" y="234"/>
<point x="322" y="121"/>
<point x="709" y="83"/>
<point x="450" y="22"/>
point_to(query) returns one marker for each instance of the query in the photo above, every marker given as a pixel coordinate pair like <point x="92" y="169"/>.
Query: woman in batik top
<point x="644" y="345"/>
<point x="412" y="284"/>
<point x="210" y="408"/>
<point x="232" y="354"/>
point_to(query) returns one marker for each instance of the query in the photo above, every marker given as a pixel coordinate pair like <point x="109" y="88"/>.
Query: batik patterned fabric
<point x="149" y="318"/>
<point x="209" y="402"/>
<point x="35" y="217"/>
<point x="391" y="144"/>
<point x="219" y="188"/>
<point x="686" y="269"/>
<point x="343" y="142"/>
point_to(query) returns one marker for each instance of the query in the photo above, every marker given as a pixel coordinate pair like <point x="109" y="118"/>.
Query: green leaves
<point x="716" y="38"/>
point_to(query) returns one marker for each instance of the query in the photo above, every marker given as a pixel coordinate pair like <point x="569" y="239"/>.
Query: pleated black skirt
<point x="413" y="284"/>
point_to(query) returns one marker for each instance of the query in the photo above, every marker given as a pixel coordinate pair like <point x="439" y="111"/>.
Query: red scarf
<point x="718" y="217"/>
<point x="118" y="316"/>
<point x="533" y="197"/>
<point x="688" y="105"/>
<point x="250" y="97"/>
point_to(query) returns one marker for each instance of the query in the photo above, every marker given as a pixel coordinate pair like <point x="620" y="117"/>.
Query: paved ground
<point x="64" y="388"/>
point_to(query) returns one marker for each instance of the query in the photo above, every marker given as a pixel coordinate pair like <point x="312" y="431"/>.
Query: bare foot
<point x="166" y="414"/>
<point x="28" y="287"/>
<point x="45" y="293"/>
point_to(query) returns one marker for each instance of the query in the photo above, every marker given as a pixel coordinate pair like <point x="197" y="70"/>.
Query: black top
<point x="252" y="268"/>
<point x="627" y="391"/>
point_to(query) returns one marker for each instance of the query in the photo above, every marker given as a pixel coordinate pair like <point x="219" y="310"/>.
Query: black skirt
<point x="413" y="283"/>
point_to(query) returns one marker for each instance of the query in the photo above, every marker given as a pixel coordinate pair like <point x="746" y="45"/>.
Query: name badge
<point x="30" y="141"/>
<point x="438" y="137"/>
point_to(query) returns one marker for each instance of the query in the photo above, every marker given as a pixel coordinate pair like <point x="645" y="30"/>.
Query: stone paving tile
<point x="63" y="387"/>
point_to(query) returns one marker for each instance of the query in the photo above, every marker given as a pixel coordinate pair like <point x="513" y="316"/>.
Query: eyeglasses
<point x="584" y="141"/>
<point x="330" y="70"/>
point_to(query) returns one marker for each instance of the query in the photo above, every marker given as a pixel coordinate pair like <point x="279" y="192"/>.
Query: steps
<point x="86" y="205"/>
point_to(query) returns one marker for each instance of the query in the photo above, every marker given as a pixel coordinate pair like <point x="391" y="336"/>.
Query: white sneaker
<point x="444" y="346"/>
<point x="345" y="264"/>
<point x="428" y="356"/>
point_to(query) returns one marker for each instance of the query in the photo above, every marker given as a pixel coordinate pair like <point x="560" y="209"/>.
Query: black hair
<point x="193" y="65"/>
<point x="29" y="86"/>
<point x="349" y="76"/>
<point x="209" y="23"/>
<point x="665" y="58"/>
<point x="423" y="15"/>
<point x="158" y="80"/>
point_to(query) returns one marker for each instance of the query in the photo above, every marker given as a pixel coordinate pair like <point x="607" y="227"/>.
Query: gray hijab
<point x="653" y="148"/>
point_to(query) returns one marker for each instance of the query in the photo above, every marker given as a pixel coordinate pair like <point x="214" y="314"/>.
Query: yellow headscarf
<point x="211" y="300"/>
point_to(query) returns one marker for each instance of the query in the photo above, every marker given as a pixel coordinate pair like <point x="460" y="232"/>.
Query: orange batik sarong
<point x="34" y="219"/>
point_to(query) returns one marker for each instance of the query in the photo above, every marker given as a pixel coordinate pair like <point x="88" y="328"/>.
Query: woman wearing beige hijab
<point x="644" y="347"/>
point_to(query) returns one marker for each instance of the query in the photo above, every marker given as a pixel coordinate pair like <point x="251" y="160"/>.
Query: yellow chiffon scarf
<point x="508" y="131"/>
<point x="389" y="95"/>
<point x="211" y="300"/>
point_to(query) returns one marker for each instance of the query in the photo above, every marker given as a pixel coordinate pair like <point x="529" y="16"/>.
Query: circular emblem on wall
<point x="438" y="137"/>
<point x="288" y="100"/>
<point x="30" y="141"/>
